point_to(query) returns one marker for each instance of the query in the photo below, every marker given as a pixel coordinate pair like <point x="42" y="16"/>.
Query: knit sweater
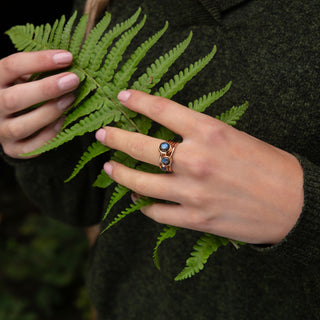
<point x="270" y="51"/>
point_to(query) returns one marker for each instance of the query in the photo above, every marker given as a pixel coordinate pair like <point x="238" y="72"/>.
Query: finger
<point x="25" y="125"/>
<point x="147" y="184"/>
<point x="171" y="214"/>
<point x="138" y="146"/>
<point x="170" y="114"/>
<point x="18" y="148"/>
<point x="17" y="65"/>
<point x="21" y="96"/>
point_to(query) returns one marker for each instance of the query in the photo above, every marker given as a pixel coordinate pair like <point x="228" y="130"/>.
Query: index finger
<point x="170" y="114"/>
<point x="19" y="64"/>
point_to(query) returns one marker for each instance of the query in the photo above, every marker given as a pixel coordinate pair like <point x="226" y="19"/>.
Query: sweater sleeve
<point x="42" y="179"/>
<point x="301" y="245"/>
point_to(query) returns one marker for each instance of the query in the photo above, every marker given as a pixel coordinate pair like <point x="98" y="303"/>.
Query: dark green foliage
<point x="98" y="63"/>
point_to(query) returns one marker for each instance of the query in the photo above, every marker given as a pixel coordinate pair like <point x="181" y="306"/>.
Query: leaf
<point x="176" y="84"/>
<point x="103" y="180"/>
<point x="119" y="192"/>
<point x="93" y="151"/>
<point x="205" y="101"/>
<point x="233" y="115"/>
<point x="205" y="246"/>
<point x="167" y="233"/>
<point x="141" y="202"/>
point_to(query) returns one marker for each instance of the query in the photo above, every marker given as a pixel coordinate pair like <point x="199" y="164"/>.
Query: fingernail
<point x="64" y="102"/>
<point x="108" y="168"/>
<point x="58" y="124"/>
<point x="63" y="58"/>
<point x="134" y="197"/>
<point x="123" y="96"/>
<point x="100" y="135"/>
<point x="68" y="82"/>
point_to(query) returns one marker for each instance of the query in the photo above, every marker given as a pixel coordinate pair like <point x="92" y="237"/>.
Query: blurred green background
<point x="42" y="262"/>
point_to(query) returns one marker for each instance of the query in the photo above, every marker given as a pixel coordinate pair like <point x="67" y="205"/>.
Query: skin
<point x="24" y="133"/>
<point x="224" y="181"/>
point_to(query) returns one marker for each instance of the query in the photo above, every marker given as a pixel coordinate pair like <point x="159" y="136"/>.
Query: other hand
<point x="22" y="132"/>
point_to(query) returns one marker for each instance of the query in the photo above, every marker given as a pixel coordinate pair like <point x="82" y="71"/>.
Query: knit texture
<point x="270" y="50"/>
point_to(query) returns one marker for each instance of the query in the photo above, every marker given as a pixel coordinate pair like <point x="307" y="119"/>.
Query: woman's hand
<point x="25" y="132"/>
<point x="224" y="181"/>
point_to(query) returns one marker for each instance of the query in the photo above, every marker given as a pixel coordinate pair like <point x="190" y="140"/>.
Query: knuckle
<point x="194" y="220"/>
<point x="138" y="184"/>
<point x="157" y="107"/>
<point x="214" y="133"/>
<point x="8" y="102"/>
<point x="13" y="132"/>
<point x="9" y="150"/>
<point x="47" y="88"/>
<point x="197" y="166"/>
<point x="135" y="147"/>
<point x="7" y="64"/>
<point x="197" y="199"/>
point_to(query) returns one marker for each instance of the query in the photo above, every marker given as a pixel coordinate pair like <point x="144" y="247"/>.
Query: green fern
<point x="206" y="245"/>
<point x="98" y="63"/>
<point x="141" y="202"/>
<point x="168" y="232"/>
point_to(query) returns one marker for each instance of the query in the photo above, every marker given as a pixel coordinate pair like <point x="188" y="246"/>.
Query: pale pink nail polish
<point x="68" y="82"/>
<point x="123" y="96"/>
<point x="62" y="58"/>
<point x="108" y="168"/>
<point x="58" y="125"/>
<point x="64" y="102"/>
<point x="100" y="135"/>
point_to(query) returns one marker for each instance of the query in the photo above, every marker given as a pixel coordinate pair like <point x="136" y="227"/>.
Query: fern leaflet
<point x="206" y="245"/>
<point x="93" y="151"/>
<point x="141" y="202"/>
<point x="167" y="233"/>
<point x="231" y="116"/>
<point x="119" y="192"/>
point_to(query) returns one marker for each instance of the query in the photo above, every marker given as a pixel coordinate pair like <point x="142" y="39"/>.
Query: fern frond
<point x="77" y="39"/>
<point x="154" y="73"/>
<point x="167" y="233"/>
<point x="119" y="192"/>
<point x="103" y="180"/>
<point x="95" y="150"/>
<point x="205" y="101"/>
<point x="94" y="36"/>
<point x="174" y="85"/>
<point x="58" y="32"/>
<point x="103" y="45"/>
<point x="106" y="72"/>
<point x="233" y="115"/>
<point x="93" y="103"/>
<point x="66" y="33"/>
<point x="122" y="77"/>
<point x="141" y="202"/>
<point x="205" y="246"/>
<point x="91" y="123"/>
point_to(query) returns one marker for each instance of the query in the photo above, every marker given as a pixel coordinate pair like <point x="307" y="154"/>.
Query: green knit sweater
<point x="271" y="52"/>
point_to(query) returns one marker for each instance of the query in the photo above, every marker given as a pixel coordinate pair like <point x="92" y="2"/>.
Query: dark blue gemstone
<point x="165" y="161"/>
<point x="164" y="146"/>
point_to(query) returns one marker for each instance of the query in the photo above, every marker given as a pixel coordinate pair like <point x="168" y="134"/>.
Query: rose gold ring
<point x="166" y="150"/>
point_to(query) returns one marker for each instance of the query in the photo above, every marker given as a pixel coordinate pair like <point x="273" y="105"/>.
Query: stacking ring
<point x="166" y="150"/>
